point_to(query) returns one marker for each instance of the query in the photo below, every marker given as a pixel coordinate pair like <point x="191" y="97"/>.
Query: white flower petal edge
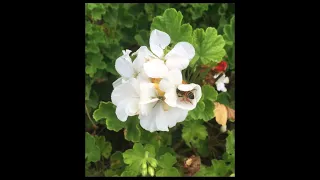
<point x="189" y="104"/>
<point x="124" y="66"/>
<point x="126" y="98"/>
<point x="142" y="54"/>
<point x="180" y="56"/>
<point x="220" y="83"/>
<point x="159" y="40"/>
<point x="160" y="120"/>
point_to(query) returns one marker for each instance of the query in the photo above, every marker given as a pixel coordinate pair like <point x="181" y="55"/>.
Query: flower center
<point x="159" y="92"/>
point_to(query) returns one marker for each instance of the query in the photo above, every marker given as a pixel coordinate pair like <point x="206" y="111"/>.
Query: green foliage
<point x="124" y="148"/>
<point x="96" y="146"/>
<point x="193" y="132"/>
<point x="170" y="22"/>
<point x="209" y="46"/>
<point x="166" y="162"/>
<point x="92" y="150"/>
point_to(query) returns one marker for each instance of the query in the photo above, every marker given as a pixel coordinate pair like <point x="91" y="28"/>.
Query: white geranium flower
<point x="220" y="83"/>
<point x="128" y="69"/>
<point x="126" y="97"/>
<point x="184" y="96"/>
<point x="155" y="114"/>
<point x="158" y="65"/>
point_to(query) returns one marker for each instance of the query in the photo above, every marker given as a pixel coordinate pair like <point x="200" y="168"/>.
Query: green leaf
<point x="166" y="162"/>
<point x="90" y="70"/>
<point x="107" y="111"/>
<point x="136" y="156"/>
<point x="116" y="160"/>
<point x="230" y="142"/>
<point x="208" y="113"/>
<point x="193" y="132"/>
<point x="92" y="152"/>
<point x="196" y="113"/>
<point x="88" y="28"/>
<point x="169" y="172"/>
<point x="197" y="10"/>
<point x="104" y="146"/>
<point x="202" y="148"/>
<point x="125" y="19"/>
<point x="229" y="34"/>
<point x="132" y="130"/>
<point x="162" y="150"/>
<point x="170" y="22"/>
<point x="220" y="169"/>
<point x="92" y="47"/>
<point x="129" y="173"/>
<point x="209" y="46"/>
<point x="142" y="38"/>
<point x="224" y="98"/>
<point x="209" y="93"/>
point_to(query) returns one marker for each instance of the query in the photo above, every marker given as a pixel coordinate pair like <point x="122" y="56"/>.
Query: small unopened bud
<point x="223" y="128"/>
<point x="151" y="171"/>
<point x="153" y="162"/>
<point x="232" y="175"/>
<point x="144" y="172"/>
<point x="144" y="166"/>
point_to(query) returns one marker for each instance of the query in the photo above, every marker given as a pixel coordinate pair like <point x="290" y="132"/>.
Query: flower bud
<point x="223" y="128"/>
<point x="151" y="171"/>
<point x="153" y="162"/>
<point x="144" y="172"/>
<point x="144" y="166"/>
<point x="146" y="154"/>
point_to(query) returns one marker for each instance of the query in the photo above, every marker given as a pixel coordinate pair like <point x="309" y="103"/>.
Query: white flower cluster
<point x="152" y="87"/>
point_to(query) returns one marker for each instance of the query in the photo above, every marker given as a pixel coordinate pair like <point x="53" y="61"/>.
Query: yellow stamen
<point x="184" y="82"/>
<point x="155" y="80"/>
<point x="159" y="92"/>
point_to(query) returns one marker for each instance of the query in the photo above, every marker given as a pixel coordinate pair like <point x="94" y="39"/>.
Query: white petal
<point x="121" y="111"/>
<point x="148" y="122"/>
<point x="117" y="82"/>
<point x="147" y="93"/>
<point x="226" y="80"/>
<point x="124" y="67"/>
<point x="122" y="92"/>
<point x="155" y="68"/>
<point x="171" y="97"/>
<point x="126" y="54"/>
<point x="186" y="87"/>
<point x="142" y="53"/>
<point x="158" y="42"/>
<point x="180" y="56"/>
<point x="160" y="120"/>
<point x="177" y="63"/>
<point x="146" y="107"/>
<point x="165" y="85"/>
<point x="133" y="106"/>
<point x="143" y="78"/>
<point x="174" y="76"/>
<point x="221" y="87"/>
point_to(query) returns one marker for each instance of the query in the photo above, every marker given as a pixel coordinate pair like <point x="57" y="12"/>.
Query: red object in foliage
<point x="222" y="66"/>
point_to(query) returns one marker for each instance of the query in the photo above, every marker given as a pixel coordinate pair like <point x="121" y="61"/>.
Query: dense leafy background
<point x="115" y="148"/>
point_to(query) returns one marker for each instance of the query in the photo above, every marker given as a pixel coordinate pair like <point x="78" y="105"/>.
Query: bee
<point x="186" y="95"/>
